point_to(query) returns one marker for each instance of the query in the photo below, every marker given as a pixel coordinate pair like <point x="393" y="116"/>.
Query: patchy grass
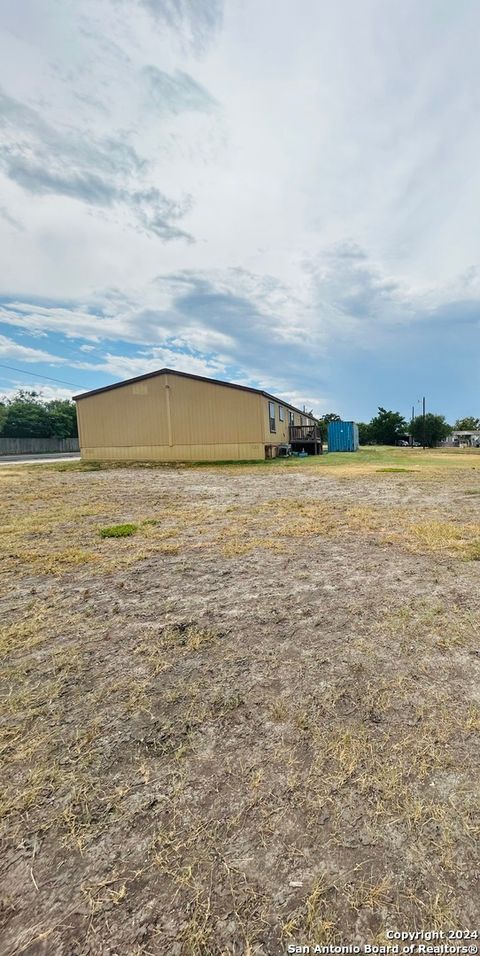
<point x="366" y="460"/>
<point x="43" y="530"/>
<point x="23" y="634"/>
<point x="472" y="551"/>
<point x="459" y="539"/>
<point x="252" y="723"/>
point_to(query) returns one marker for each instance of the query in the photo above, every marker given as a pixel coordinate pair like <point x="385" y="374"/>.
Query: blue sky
<point x="283" y="195"/>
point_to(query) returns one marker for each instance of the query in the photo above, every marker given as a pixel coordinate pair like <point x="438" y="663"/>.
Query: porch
<point x="307" y="438"/>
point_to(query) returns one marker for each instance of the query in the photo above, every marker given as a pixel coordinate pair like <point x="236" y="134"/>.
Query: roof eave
<point x="198" y="378"/>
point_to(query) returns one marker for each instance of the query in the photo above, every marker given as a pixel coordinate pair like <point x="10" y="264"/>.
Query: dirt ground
<point x="252" y="723"/>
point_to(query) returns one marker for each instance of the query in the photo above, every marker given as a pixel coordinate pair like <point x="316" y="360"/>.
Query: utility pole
<point x="412" y="424"/>
<point x="423" y="423"/>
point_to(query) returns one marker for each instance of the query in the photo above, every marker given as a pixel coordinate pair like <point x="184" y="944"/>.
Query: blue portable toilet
<point x="342" y="436"/>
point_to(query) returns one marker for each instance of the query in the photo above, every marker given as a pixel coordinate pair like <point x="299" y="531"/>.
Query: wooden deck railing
<point x="304" y="433"/>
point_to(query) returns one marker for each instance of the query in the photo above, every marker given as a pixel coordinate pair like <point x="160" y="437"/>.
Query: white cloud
<point x="323" y="162"/>
<point x="124" y="366"/>
<point x="23" y="353"/>
<point x="46" y="392"/>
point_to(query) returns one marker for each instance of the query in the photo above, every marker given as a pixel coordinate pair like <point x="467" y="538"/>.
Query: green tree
<point x="467" y="424"/>
<point x="2" y="416"/>
<point x="324" y="420"/>
<point x="27" y="415"/>
<point x="387" y="427"/>
<point x="436" y="429"/>
<point x="63" y="418"/>
<point x="364" y="433"/>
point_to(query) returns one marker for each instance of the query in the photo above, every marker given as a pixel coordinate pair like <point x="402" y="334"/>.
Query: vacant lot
<point x="250" y="719"/>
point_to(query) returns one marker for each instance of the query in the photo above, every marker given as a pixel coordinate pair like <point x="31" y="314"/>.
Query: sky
<point x="283" y="195"/>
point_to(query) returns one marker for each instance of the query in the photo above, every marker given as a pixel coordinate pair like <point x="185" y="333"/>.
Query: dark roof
<point x="198" y="378"/>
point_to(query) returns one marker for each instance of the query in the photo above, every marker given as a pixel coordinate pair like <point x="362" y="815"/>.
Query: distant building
<point x="468" y="439"/>
<point x="172" y="416"/>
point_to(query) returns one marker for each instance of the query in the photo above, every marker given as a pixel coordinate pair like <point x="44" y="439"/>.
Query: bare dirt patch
<point x="252" y="722"/>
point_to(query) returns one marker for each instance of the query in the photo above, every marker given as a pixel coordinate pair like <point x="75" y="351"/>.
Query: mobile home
<point x="173" y="416"/>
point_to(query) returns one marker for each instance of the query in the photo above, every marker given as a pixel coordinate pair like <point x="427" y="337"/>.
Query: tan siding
<point x="132" y="415"/>
<point x="203" y="413"/>
<point x="172" y="418"/>
<point x="212" y="452"/>
<point x="281" y="434"/>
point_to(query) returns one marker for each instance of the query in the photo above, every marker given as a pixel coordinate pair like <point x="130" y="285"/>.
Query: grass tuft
<point x="118" y="531"/>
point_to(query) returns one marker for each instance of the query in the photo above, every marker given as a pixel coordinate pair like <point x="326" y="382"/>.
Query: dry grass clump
<point x="316" y="918"/>
<point x="359" y="899"/>
<point x="458" y="539"/>
<point x="236" y="544"/>
<point x="421" y="626"/>
<point x="188" y="637"/>
<point x="472" y="552"/>
<point x="273" y="525"/>
<point x="24" y="634"/>
<point x="284" y="520"/>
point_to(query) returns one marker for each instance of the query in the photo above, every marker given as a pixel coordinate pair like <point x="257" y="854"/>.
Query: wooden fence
<point x="37" y="446"/>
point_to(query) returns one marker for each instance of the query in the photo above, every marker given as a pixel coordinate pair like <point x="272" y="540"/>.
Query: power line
<point x="60" y="381"/>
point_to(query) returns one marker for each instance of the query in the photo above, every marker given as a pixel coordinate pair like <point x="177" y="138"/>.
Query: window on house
<point x="271" y="416"/>
<point x="281" y="413"/>
<point x="291" y="418"/>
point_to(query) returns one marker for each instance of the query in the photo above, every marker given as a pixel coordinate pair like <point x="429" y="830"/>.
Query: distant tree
<point x="324" y="420"/>
<point x="331" y="417"/>
<point x="364" y="433"/>
<point x="387" y="427"/>
<point x="63" y="418"/>
<point x="27" y="415"/>
<point x="467" y="424"/>
<point x="436" y="429"/>
<point x="2" y="415"/>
